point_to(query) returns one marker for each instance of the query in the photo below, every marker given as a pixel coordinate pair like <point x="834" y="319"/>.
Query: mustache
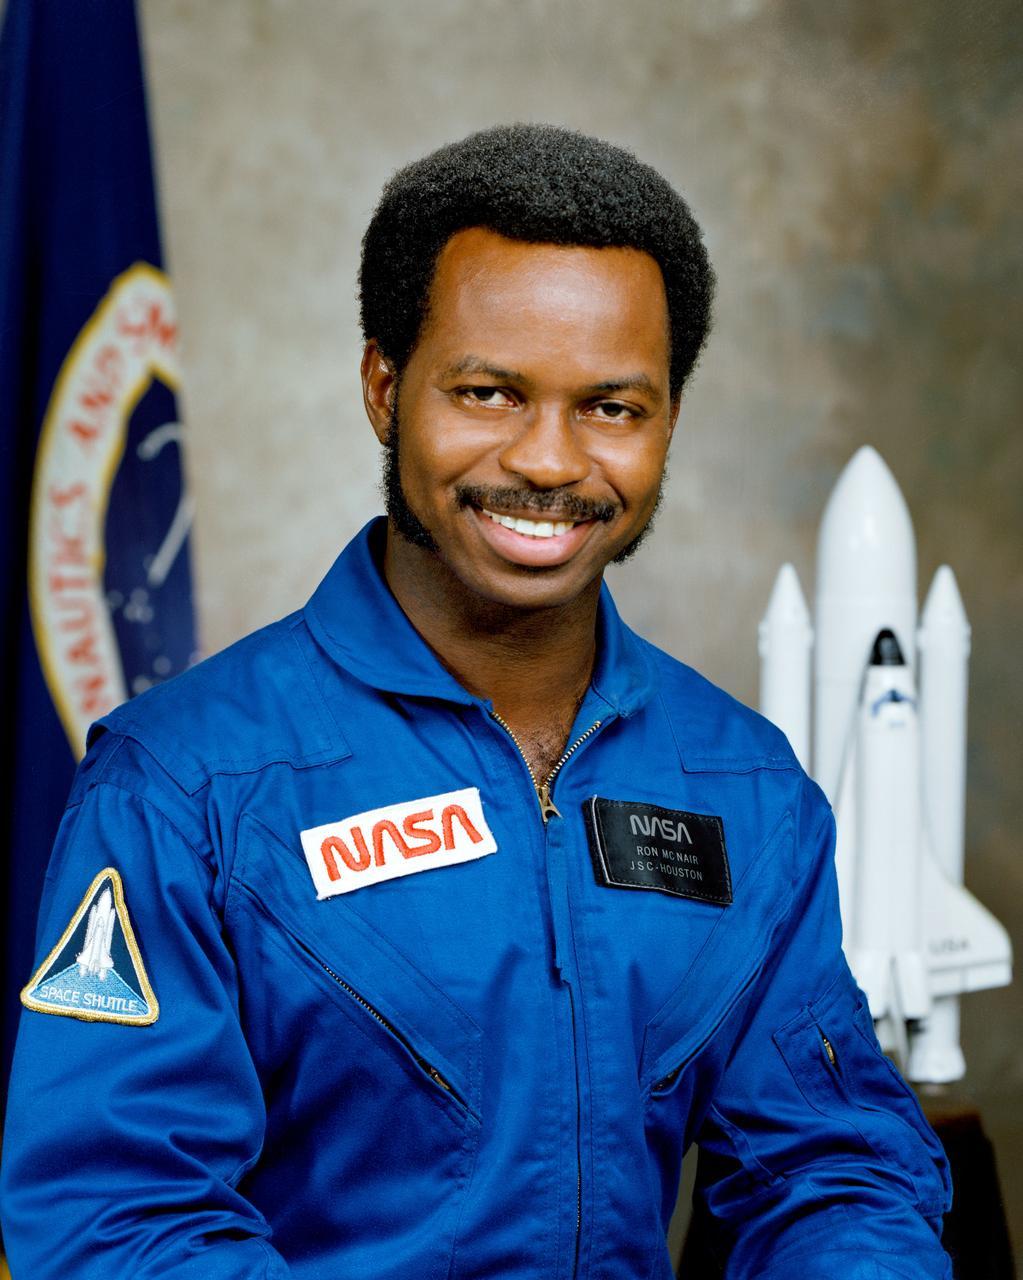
<point x="505" y="498"/>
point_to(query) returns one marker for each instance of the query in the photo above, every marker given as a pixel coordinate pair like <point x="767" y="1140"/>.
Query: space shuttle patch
<point x="95" y="972"/>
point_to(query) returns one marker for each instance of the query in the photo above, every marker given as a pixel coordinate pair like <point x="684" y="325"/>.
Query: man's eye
<point x="486" y="395"/>
<point x="614" y="410"/>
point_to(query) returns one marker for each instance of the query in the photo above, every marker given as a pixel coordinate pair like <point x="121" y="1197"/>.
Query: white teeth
<point x="531" y="528"/>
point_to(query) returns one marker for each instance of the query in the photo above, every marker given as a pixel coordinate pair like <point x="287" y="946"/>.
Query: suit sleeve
<point x="814" y="1153"/>
<point x="125" y="1139"/>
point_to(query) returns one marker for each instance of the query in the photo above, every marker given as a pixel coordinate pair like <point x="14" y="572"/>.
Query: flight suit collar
<point x="360" y="625"/>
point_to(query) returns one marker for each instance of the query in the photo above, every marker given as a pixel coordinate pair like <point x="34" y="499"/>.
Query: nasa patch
<point x="397" y="840"/>
<point x="95" y="972"/>
<point x="642" y="846"/>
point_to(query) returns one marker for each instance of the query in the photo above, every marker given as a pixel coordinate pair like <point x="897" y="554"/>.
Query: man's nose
<point x="546" y="451"/>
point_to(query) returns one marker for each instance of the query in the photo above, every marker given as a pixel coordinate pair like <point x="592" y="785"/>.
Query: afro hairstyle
<point x="544" y="185"/>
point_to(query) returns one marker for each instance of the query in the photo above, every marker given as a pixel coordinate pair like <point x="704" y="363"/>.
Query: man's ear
<point x="676" y="404"/>
<point x="379" y="388"/>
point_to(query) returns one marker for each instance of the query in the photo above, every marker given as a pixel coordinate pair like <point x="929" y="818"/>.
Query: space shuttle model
<point x="94" y="957"/>
<point x="889" y="749"/>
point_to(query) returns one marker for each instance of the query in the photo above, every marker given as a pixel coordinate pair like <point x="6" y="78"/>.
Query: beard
<point x="412" y="529"/>
<point x="399" y="510"/>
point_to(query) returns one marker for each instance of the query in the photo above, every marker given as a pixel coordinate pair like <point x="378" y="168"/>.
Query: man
<point x="420" y="933"/>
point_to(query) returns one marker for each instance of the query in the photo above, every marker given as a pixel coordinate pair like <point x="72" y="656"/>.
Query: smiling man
<point x="527" y="437"/>
<point x="421" y="932"/>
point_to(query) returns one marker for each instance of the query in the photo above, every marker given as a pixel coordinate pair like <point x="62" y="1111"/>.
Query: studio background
<point x="855" y="166"/>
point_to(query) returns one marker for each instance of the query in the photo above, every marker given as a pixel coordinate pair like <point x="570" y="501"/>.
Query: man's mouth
<point x="531" y="528"/>
<point x="533" y="543"/>
<point x="534" y="529"/>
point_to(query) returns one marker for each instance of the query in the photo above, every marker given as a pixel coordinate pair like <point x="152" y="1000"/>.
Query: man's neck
<point x="534" y="665"/>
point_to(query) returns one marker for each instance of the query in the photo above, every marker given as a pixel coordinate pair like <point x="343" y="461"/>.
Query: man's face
<point x="537" y="395"/>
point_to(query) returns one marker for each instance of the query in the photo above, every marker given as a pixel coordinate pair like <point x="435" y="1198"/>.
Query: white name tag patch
<point x="397" y="840"/>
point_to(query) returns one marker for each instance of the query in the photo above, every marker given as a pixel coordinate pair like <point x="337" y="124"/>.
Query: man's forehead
<point x="495" y="300"/>
<point x="473" y="251"/>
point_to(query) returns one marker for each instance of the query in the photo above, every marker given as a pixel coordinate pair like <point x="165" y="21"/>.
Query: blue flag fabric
<point x="95" y="516"/>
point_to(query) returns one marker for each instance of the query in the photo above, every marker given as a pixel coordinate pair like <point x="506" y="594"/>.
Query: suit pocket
<point x="372" y="1079"/>
<point x="869" y="1109"/>
<point x="360" y="962"/>
<point x="726" y="967"/>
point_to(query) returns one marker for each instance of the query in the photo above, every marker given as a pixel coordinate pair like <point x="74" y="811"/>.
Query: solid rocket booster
<point x="944" y="644"/>
<point x="785" y="643"/>
<point x="887" y="955"/>
<point x="866" y="582"/>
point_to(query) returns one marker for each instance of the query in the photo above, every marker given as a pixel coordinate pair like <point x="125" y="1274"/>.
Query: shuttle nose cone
<point x="866" y="545"/>
<point x="866" y="582"/>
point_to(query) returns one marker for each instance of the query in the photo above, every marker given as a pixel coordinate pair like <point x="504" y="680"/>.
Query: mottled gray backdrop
<point x="856" y="166"/>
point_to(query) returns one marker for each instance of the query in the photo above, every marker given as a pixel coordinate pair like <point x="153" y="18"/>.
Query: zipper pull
<point x="434" y="1074"/>
<point x="548" y="809"/>
<point x="829" y="1051"/>
<point x="666" y="1082"/>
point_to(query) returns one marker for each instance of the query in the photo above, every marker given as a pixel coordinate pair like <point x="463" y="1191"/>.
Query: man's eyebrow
<point x="631" y="382"/>
<point x="476" y="364"/>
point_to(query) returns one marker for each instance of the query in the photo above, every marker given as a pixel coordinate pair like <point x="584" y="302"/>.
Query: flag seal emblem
<point x="95" y="972"/>
<point x="128" y="346"/>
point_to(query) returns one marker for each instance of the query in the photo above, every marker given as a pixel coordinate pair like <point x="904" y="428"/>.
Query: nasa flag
<point x="95" y="514"/>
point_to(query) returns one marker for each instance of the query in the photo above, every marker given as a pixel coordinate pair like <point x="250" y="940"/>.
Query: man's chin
<point x="529" y="590"/>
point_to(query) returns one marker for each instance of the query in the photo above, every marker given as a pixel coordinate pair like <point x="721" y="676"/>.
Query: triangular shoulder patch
<point x="95" y="972"/>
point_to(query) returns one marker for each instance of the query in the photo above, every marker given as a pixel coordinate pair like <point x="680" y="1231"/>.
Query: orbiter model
<point x="94" y="958"/>
<point x="889" y="750"/>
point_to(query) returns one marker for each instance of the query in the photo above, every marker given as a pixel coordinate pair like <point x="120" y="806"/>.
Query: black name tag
<point x="642" y="846"/>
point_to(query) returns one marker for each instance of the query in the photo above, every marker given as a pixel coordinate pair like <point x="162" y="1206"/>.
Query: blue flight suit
<point x="488" y="1065"/>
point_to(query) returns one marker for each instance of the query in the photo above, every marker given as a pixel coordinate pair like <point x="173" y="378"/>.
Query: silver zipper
<point x="548" y="809"/>
<point x="578" y="1152"/>
<point x="665" y="1082"/>
<point x="428" y="1067"/>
